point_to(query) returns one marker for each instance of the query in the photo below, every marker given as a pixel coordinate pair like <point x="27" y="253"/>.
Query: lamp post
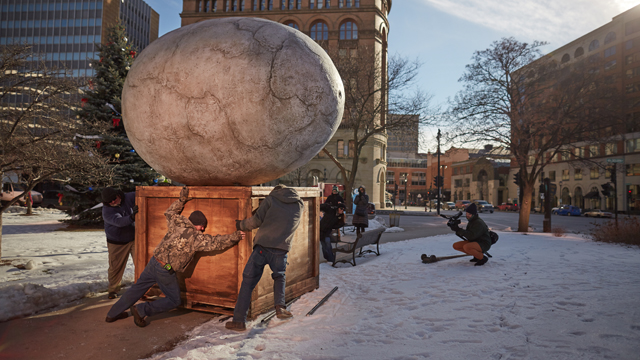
<point x="406" y="194"/>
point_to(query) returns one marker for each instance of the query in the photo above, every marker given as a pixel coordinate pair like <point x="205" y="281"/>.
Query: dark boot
<point x="282" y="312"/>
<point x="137" y="319"/>
<point x="473" y="259"/>
<point x="112" y="295"/>
<point x="116" y="318"/>
<point x="235" y="326"/>
<point x="482" y="261"/>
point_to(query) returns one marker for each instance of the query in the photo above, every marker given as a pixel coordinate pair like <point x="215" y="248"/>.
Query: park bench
<point x="371" y="237"/>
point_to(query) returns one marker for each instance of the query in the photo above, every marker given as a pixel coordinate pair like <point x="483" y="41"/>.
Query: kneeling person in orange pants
<point x="477" y="234"/>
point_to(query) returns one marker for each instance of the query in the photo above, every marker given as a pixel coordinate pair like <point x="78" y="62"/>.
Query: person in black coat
<point x="335" y="198"/>
<point x="360" y="217"/>
<point x="333" y="219"/>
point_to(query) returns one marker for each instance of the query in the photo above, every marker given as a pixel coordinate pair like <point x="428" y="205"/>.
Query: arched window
<point x="292" y="24"/>
<point x="594" y="45"/>
<point x="565" y="58"/>
<point x="579" y="52"/>
<point x="319" y="31"/>
<point x="610" y="37"/>
<point x="348" y="30"/>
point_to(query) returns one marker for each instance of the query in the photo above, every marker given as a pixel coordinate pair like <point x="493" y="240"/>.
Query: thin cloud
<point x="557" y="22"/>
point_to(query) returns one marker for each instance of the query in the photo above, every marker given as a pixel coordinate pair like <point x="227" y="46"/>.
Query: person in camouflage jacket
<point x="184" y="237"/>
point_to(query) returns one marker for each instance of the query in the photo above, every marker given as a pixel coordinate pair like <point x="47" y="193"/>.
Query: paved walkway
<point x="80" y="333"/>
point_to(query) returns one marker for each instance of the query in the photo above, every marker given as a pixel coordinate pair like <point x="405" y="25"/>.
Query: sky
<point x="443" y="34"/>
<point x="538" y="297"/>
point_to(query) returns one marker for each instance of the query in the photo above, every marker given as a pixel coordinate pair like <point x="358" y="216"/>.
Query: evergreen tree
<point x="101" y="107"/>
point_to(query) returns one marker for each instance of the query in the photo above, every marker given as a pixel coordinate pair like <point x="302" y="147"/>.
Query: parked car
<point x="10" y="191"/>
<point x="554" y="210"/>
<point x="371" y="210"/>
<point x="51" y="200"/>
<point x="449" y="205"/>
<point x="461" y="204"/>
<point x="598" y="213"/>
<point x="483" y="206"/>
<point x="388" y="204"/>
<point x="569" y="210"/>
<point x="508" y="207"/>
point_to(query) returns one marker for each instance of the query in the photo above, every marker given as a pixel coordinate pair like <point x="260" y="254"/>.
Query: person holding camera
<point x="333" y="218"/>
<point x="478" y="239"/>
<point x="335" y="198"/>
<point x="184" y="237"/>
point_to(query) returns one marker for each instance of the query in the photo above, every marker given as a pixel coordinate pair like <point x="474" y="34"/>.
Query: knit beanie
<point x="472" y="209"/>
<point x="198" y="218"/>
<point x="335" y="188"/>
<point x="108" y="195"/>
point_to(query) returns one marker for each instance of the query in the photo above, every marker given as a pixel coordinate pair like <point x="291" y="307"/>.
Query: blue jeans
<point x="326" y="249"/>
<point x="152" y="274"/>
<point x="277" y="261"/>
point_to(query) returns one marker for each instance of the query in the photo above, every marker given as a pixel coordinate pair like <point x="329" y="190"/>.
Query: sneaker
<point x="482" y="261"/>
<point x="112" y="295"/>
<point x="122" y="315"/>
<point x="137" y="319"/>
<point x="235" y="325"/>
<point x="282" y="312"/>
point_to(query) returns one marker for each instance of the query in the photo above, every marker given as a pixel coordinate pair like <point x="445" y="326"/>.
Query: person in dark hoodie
<point x="335" y="198"/>
<point x="184" y="237"/>
<point x="333" y="218"/>
<point x="477" y="234"/>
<point x="276" y="219"/>
<point x="118" y="212"/>
<point x="360" y="218"/>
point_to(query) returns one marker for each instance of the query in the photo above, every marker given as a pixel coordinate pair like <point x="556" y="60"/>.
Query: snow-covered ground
<point x="539" y="297"/>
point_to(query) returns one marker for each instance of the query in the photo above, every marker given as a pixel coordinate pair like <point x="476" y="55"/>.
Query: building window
<point x="632" y="145"/>
<point x="341" y="148"/>
<point x="610" y="149"/>
<point x="610" y="65"/>
<point x="610" y="37"/>
<point x="312" y="4"/>
<point x="594" y="45"/>
<point x="292" y="24"/>
<point x="579" y="152"/>
<point x="319" y="31"/>
<point x="577" y="174"/>
<point x="419" y="179"/>
<point x="270" y="6"/>
<point x="594" y="150"/>
<point x="390" y="178"/>
<point x="565" y="174"/>
<point x="633" y="169"/>
<point x="579" y="52"/>
<point x="348" y="30"/>
<point x="595" y="173"/>
<point x="532" y="160"/>
<point x="565" y="58"/>
<point x="323" y="155"/>
<point x="552" y="175"/>
<point x="352" y="148"/>
<point x="458" y="183"/>
<point x="610" y="51"/>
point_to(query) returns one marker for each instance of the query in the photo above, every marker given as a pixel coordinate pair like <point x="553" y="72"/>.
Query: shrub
<point x="626" y="232"/>
<point x="558" y="232"/>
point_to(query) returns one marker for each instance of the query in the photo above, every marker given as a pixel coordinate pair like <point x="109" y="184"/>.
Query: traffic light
<point x="516" y="178"/>
<point x="435" y="181"/>
<point x="629" y="194"/>
<point x="606" y="189"/>
<point x="438" y="181"/>
<point x="396" y="188"/>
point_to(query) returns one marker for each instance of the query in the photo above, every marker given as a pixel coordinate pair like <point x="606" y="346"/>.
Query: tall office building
<point x="343" y="28"/>
<point x="65" y="33"/>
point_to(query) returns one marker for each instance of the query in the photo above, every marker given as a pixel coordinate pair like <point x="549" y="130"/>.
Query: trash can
<point x="394" y="219"/>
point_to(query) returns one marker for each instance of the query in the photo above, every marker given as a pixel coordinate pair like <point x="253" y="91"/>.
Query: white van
<point x="11" y="191"/>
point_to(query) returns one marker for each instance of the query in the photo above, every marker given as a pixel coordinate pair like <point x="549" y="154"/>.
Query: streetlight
<point x="406" y="194"/>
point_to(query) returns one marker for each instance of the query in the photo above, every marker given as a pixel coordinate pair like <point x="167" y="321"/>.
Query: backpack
<point x="494" y="237"/>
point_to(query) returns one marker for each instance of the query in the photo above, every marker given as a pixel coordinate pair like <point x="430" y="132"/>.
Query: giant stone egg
<point x="235" y="101"/>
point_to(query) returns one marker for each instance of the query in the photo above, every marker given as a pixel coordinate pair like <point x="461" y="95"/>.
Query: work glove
<point x="184" y="194"/>
<point x="238" y="225"/>
<point x="134" y="211"/>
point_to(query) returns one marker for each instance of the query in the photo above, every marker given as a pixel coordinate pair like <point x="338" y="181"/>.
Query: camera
<point x="454" y="220"/>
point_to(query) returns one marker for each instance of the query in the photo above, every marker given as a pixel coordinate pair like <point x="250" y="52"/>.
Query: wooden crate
<point x="212" y="280"/>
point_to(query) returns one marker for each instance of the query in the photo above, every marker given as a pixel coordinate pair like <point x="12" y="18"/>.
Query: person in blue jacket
<point x="118" y="212"/>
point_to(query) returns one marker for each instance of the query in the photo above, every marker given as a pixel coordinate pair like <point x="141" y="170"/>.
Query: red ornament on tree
<point x="84" y="101"/>
<point x="116" y="122"/>
<point x="90" y="84"/>
<point x="98" y="144"/>
<point x="132" y="53"/>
